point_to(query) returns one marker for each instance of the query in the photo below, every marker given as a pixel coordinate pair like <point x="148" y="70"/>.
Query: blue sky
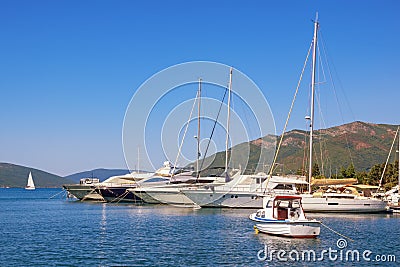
<point x="70" y="68"/>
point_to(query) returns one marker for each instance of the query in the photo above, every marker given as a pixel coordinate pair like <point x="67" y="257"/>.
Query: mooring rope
<point x="336" y="232"/>
<point x="62" y="191"/>
<point x="120" y="198"/>
<point x="86" y="196"/>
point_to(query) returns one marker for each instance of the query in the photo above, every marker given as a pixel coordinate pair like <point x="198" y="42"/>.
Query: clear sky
<point x="69" y="68"/>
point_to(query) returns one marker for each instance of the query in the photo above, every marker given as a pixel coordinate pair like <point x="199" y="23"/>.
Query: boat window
<point x="295" y="204"/>
<point x="367" y="193"/>
<point x="295" y="214"/>
<point x="348" y="191"/>
<point x="282" y="204"/>
<point x="156" y="179"/>
<point x="284" y="186"/>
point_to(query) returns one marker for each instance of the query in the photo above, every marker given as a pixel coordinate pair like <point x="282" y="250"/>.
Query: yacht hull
<point x="164" y="195"/>
<point x="146" y="198"/>
<point x="342" y="205"/>
<point x="214" y="199"/>
<point x="83" y="192"/>
<point x="118" y="194"/>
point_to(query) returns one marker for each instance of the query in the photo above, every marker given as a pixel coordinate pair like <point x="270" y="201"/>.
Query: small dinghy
<point x="284" y="216"/>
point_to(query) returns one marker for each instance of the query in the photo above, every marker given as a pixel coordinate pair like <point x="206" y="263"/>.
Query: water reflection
<point x="102" y="233"/>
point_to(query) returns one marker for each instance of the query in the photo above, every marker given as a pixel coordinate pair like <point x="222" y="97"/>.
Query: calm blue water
<point x="39" y="231"/>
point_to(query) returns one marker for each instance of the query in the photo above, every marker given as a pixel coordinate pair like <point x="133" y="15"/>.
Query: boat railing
<point x="104" y="185"/>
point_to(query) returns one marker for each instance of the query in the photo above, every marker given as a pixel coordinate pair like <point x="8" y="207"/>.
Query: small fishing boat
<point x="284" y="216"/>
<point x="30" y="185"/>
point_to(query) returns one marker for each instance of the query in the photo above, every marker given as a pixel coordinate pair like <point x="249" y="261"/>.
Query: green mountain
<point x="12" y="175"/>
<point x="360" y="143"/>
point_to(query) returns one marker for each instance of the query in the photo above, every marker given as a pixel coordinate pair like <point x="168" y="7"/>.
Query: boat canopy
<point x="322" y="182"/>
<point x="287" y="197"/>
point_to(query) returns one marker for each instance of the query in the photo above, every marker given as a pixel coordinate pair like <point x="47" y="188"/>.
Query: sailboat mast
<point x="227" y="124"/>
<point x="399" y="165"/>
<point x="314" y="57"/>
<point x="138" y="159"/>
<point x="198" y="128"/>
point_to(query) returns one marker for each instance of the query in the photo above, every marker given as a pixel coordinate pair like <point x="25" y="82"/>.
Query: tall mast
<point x="138" y="159"/>
<point x="198" y="127"/>
<point x="314" y="56"/>
<point x="399" y="165"/>
<point x="227" y="126"/>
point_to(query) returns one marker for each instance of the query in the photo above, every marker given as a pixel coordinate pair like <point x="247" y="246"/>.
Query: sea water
<point x="41" y="228"/>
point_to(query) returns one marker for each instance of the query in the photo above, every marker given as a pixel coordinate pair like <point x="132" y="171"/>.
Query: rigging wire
<point x="336" y="96"/>
<point x="324" y="153"/>
<point x="288" y="117"/>
<point x="212" y="133"/>
<point x="387" y="160"/>
<point x="184" y="134"/>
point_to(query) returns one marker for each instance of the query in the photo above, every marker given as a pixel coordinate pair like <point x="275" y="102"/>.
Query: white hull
<point x="164" y="195"/>
<point x="290" y="229"/>
<point x="206" y="198"/>
<point x="146" y="197"/>
<point x="342" y="205"/>
<point x="173" y="198"/>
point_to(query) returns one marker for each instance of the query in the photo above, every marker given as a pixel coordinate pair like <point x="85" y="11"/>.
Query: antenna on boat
<point x="198" y="129"/>
<point x="138" y="159"/>
<point x="314" y="56"/>
<point x="227" y="126"/>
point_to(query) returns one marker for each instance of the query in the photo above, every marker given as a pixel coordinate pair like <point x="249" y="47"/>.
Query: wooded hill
<point x="360" y="144"/>
<point x="12" y="175"/>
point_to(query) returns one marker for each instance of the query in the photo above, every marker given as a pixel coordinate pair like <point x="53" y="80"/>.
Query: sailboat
<point x="30" y="185"/>
<point x="348" y="200"/>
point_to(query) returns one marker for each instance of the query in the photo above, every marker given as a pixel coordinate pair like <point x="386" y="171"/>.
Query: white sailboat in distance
<point x="30" y="185"/>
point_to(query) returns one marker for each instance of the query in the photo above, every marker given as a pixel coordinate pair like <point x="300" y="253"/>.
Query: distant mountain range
<point x="360" y="143"/>
<point x="12" y="175"/>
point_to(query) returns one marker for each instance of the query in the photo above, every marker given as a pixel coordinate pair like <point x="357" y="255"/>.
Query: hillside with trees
<point x="354" y="150"/>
